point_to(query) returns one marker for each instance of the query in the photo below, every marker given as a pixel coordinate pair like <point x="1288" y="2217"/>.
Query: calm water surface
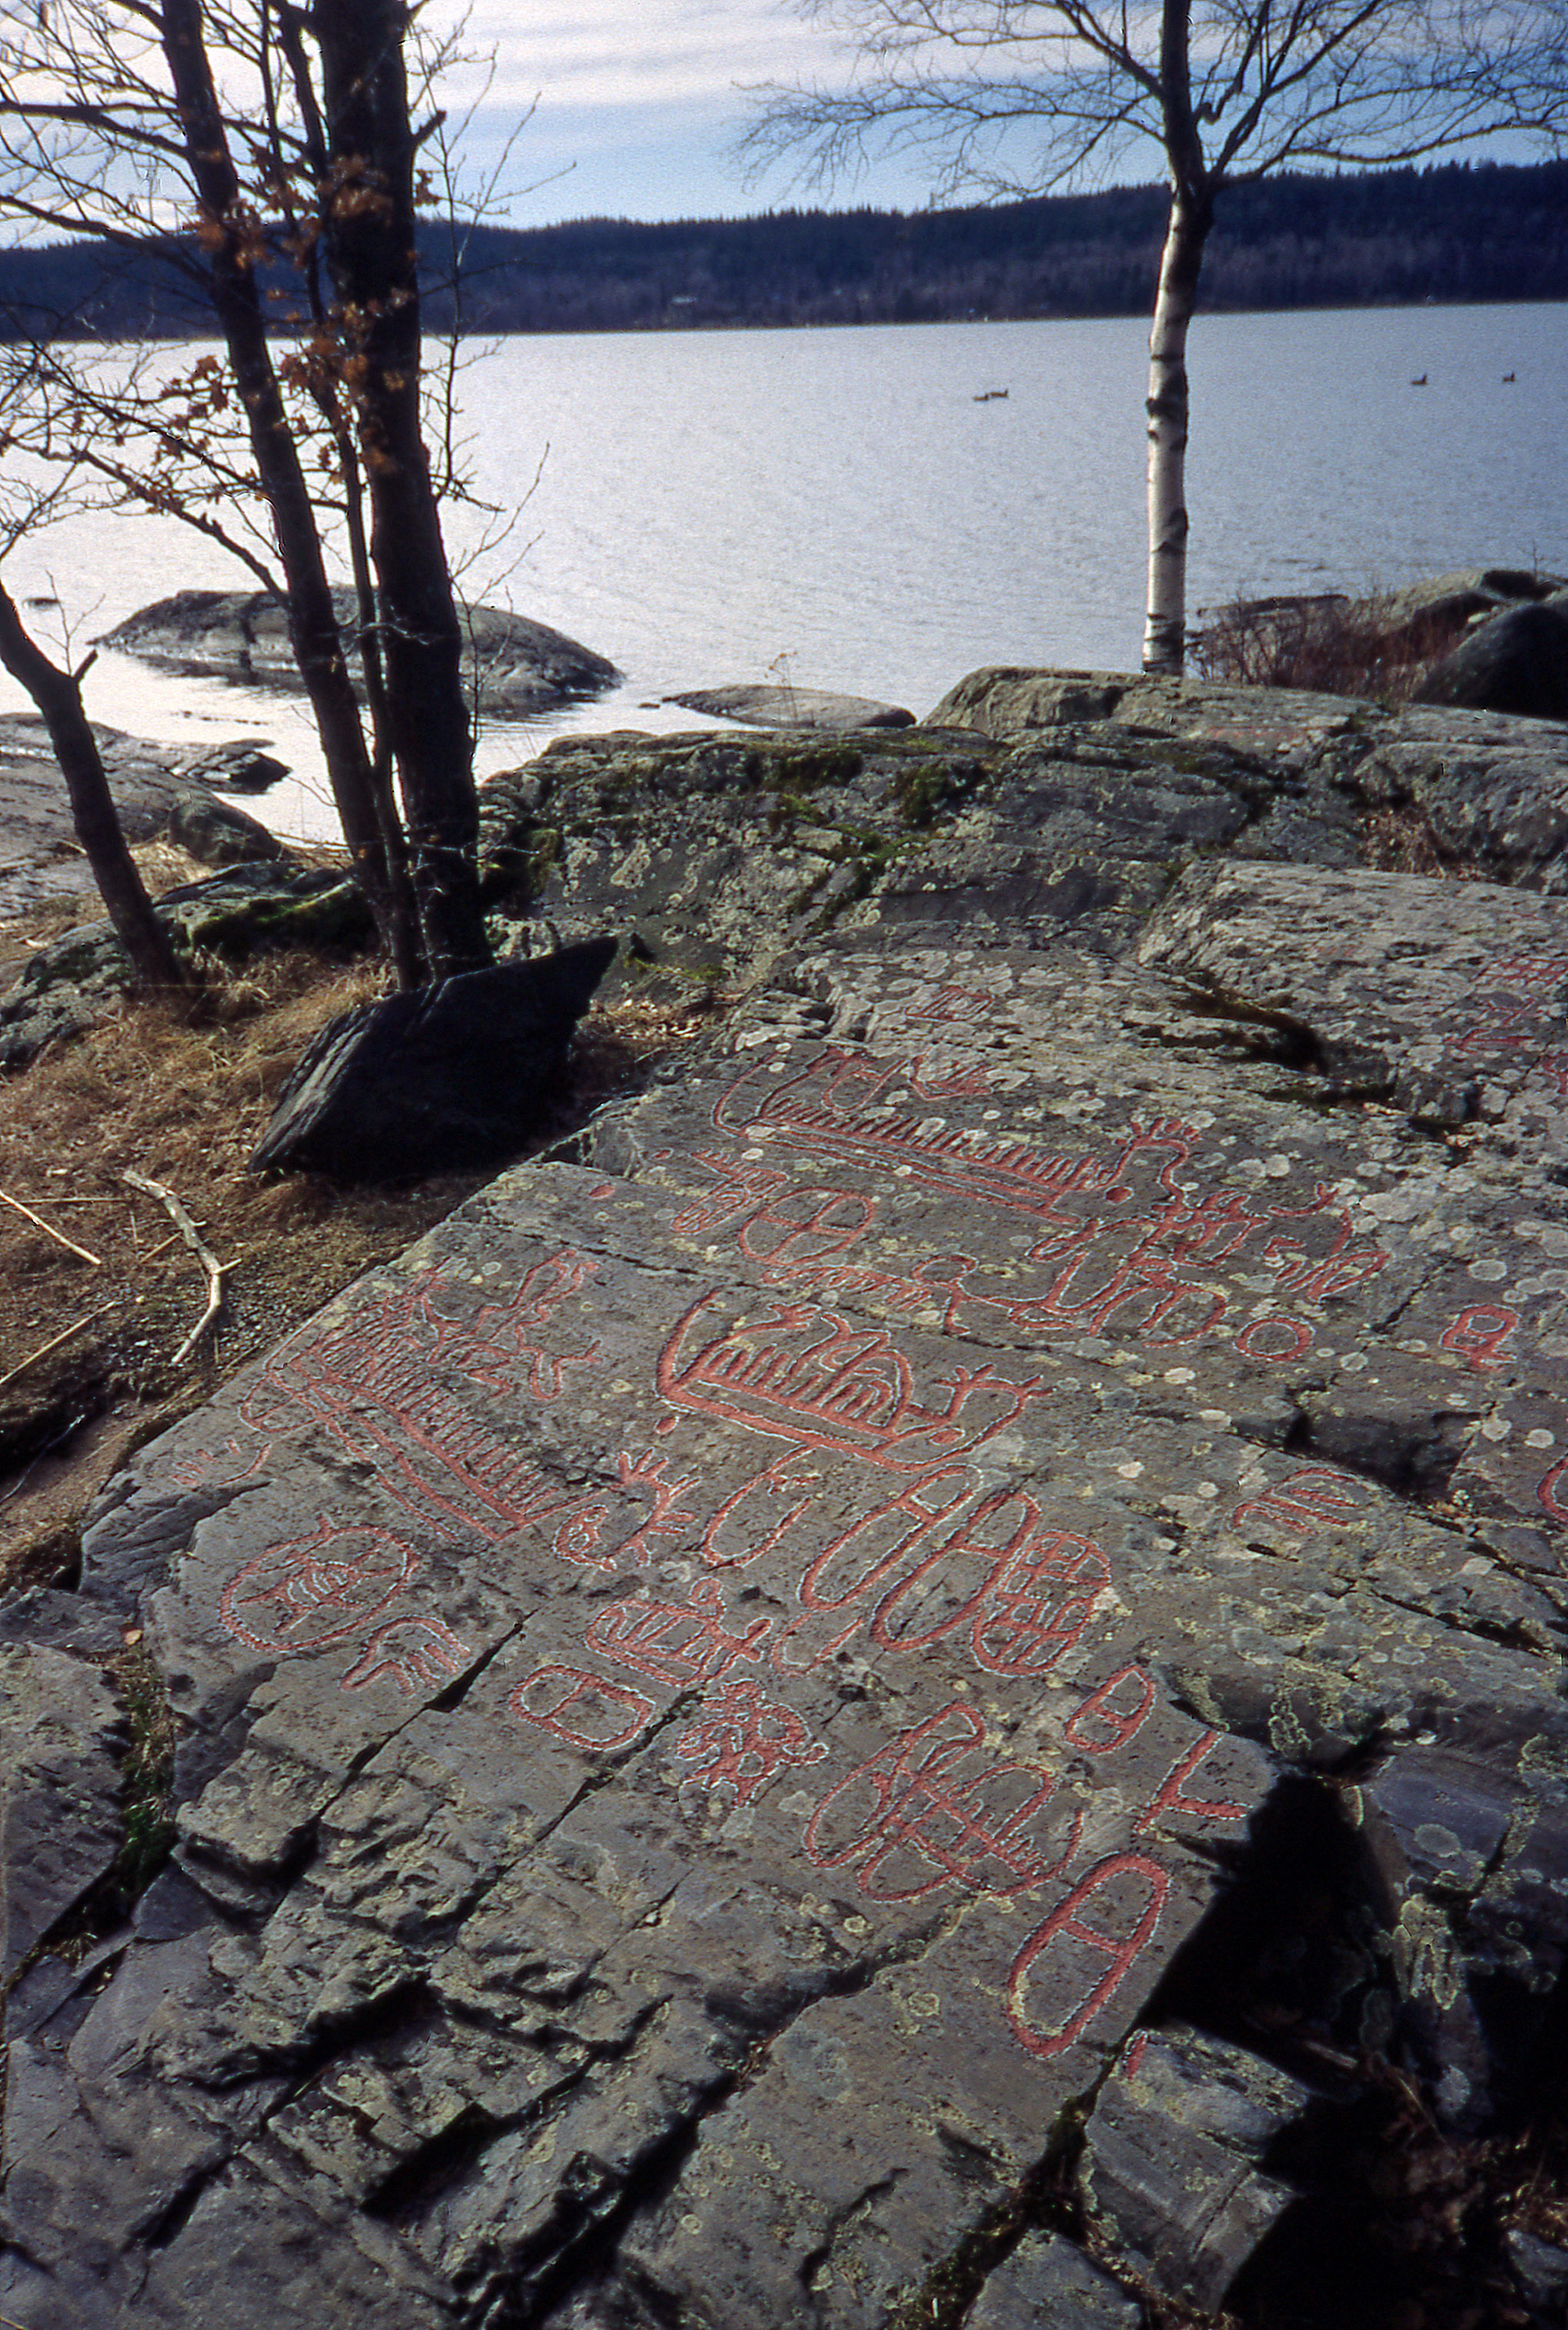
<point x="836" y="509"/>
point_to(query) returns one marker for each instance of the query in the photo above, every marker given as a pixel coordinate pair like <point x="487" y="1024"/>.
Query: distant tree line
<point x="1454" y="233"/>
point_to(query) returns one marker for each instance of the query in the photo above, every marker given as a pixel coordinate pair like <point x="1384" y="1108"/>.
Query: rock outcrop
<point x="921" y="1681"/>
<point x="68" y="984"/>
<point x="521" y="667"/>
<point x="154" y="786"/>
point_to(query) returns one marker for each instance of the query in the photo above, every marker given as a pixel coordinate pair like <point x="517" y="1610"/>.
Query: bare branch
<point x="1020" y="97"/>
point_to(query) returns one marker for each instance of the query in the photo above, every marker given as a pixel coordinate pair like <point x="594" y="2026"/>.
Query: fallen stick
<point x="53" y="1344"/>
<point x="203" y="1253"/>
<point x="58" y="1235"/>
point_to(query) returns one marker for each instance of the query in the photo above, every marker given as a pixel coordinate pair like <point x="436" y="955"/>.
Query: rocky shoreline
<point x="921" y="1679"/>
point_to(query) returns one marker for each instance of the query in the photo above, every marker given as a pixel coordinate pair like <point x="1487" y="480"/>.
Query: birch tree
<point x="1004" y="98"/>
<point x="267" y="155"/>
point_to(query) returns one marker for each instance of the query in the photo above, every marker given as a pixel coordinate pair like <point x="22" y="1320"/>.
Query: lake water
<point x="836" y="509"/>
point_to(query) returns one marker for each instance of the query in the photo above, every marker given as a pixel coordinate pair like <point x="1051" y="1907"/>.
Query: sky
<point x="636" y="103"/>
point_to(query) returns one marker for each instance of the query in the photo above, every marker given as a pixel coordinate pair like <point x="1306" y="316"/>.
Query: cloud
<point x="664" y="51"/>
<point x="633" y="106"/>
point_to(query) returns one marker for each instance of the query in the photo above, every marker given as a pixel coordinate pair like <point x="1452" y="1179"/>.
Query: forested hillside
<point x="1452" y="234"/>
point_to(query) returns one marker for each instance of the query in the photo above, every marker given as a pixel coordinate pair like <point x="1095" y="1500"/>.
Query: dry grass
<point x="1332" y="644"/>
<point x="87" y="1346"/>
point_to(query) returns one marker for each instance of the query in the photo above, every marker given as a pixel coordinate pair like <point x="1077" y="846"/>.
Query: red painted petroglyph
<point x="1306" y="1502"/>
<point x="1112" y="1713"/>
<point x="788" y="1227"/>
<point x="824" y="1111"/>
<point x="796" y="1233"/>
<point x="945" y="1556"/>
<point x="1170" y="1796"/>
<point x="740" y="1190"/>
<point x="583" y="1708"/>
<point x="809" y="1376"/>
<point x="1477" y="1335"/>
<point x="759" y="1516"/>
<point x="741" y="1742"/>
<point x="409" y="1652"/>
<point x="1275" y="1340"/>
<point x="955" y="1006"/>
<point x="1130" y="1248"/>
<point x="938" y="1807"/>
<point x="676" y="1644"/>
<point x="963" y="1008"/>
<point x="1035" y="1603"/>
<point x="378" y="1384"/>
<point x="309" y="1591"/>
<point x="581" y="1536"/>
<point x="1111" y="1914"/>
<point x="1511" y="997"/>
<point x="220" y="1467"/>
<point x="1553" y="1492"/>
<point x="927" y="1082"/>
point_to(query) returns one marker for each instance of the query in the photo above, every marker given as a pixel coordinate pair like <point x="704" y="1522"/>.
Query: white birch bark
<point x="1166" y="626"/>
<point x="1191" y="215"/>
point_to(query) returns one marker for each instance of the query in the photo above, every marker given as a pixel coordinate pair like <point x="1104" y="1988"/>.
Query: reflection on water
<point x="833" y="508"/>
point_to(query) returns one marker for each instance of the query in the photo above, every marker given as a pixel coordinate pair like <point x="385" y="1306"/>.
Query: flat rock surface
<point x="793" y="708"/>
<point x="754" y="1687"/>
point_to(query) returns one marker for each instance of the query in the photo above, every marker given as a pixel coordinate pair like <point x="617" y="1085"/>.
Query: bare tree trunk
<point x="58" y="695"/>
<point x="312" y="622"/>
<point x="1180" y="263"/>
<point x="370" y="229"/>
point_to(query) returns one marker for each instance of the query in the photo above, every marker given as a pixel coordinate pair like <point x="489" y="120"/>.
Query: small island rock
<point x="525" y="667"/>
<point x="793" y="707"/>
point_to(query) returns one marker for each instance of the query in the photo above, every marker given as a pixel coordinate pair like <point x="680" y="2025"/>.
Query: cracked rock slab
<point x="714" y="1688"/>
<point x="61" y="1736"/>
<point x="1448" y="995"/>
<point x="1171" y="2166"/>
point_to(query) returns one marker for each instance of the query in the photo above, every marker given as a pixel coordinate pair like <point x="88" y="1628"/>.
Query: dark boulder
<point x="455" y="1075"/>
<point x="1515" y="661"/>
<point x="243" y="766"/>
